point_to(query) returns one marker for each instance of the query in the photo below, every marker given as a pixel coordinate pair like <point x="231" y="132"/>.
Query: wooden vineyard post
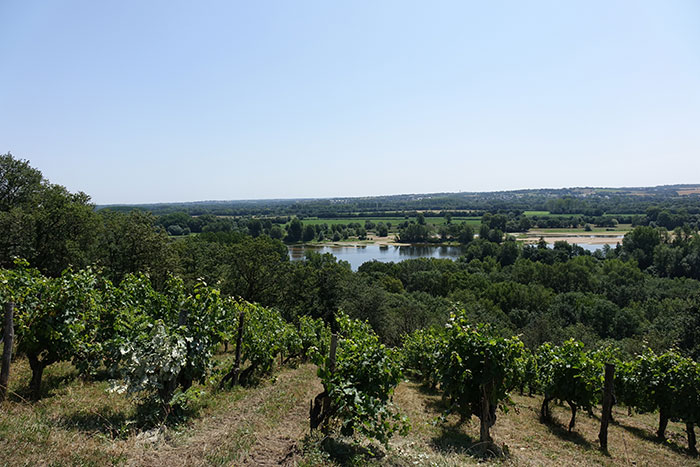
<point x="608" y="388"/>
<point x="8" y="340"/>
<point x="334" y="348"/>
<point x="239" y="345"/>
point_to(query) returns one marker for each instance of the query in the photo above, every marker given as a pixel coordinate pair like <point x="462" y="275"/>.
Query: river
<point x="357" y="255"/>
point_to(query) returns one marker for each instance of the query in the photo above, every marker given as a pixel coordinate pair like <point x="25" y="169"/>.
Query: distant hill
<point x="593" y="200"/>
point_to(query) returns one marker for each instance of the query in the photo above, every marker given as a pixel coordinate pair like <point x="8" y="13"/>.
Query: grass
<point x="548" y="214"/>
<point x="536" y="213"/>
<point x="75" y="422"/>
<point x="393" y="220"/>
<point x="528" y="442"/>
<point x="347" y="220"/>
<point x="80" y="423"/>
<point x="619" y="230"/>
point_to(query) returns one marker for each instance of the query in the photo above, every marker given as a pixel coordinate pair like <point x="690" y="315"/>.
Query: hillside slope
<point x="79" y="423"/>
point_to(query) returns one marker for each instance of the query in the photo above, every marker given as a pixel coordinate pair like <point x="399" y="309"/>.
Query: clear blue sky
<point x="155" y="101"/>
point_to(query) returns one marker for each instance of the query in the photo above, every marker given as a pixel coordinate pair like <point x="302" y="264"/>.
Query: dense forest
<point x="585" y="201"/>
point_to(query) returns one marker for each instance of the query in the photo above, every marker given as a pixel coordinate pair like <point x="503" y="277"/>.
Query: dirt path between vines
<point x="255" y="426"/>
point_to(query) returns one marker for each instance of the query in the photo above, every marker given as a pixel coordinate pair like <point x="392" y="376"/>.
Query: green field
<point x="620" y="229"/>
<point x="393" y="220"/>
<point x="548" y="214"/>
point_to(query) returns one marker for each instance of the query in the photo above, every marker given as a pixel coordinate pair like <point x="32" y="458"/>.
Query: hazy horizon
<point x="204" y="201"/>
<point x="142" y="103"/>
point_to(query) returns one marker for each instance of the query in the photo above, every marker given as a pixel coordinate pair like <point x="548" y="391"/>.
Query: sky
<point x="164" y="101"/>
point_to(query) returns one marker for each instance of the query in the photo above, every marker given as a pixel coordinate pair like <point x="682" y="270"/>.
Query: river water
<point x="357" y="255"/>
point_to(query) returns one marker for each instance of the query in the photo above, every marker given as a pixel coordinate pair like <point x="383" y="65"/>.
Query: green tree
<point x="639" y="244"/>
<point x="276" y="232"/>
<point x="255" y="269"/>
<point x="294" y="231"/>
<point x="19" y="182"/>
<point x="131" y="243"/>
<point x="44" y="223"/>
<point x="308" y="233"/>
<point x="255" y="227"/>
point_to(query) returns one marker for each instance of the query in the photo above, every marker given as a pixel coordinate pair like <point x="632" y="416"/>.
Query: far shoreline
<point x="611" y="238"/>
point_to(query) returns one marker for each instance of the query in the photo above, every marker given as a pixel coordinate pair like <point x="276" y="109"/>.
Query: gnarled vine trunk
<point x="8" y="341"/>
<point x="663" y="423"/>
<point x="544" y="410"/>
<point x="690" y="430"/>
<point x="572" y="422"/>
<point x="234" y="375"/>
<point x="37" y="367"/>
<point x="321" y="409"/>
<point x="487" y="417"/>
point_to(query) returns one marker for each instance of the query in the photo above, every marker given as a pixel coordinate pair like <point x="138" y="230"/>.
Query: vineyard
<point x="160" y="361"/>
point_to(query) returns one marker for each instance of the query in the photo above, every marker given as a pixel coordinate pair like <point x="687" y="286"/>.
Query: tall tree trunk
<point x="690" y="430"/>
<point x="663" y="423"/>
<point x="8" y="341"/>
<point x="572" y="422"/>
<point x="37" y="367"/>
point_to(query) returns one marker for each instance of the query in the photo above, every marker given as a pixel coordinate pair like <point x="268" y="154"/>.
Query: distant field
<point x="620" y="229"/>
<point x="394" y="220"/>
<point x="548" y="214"/>
<point x="347" y="220"/>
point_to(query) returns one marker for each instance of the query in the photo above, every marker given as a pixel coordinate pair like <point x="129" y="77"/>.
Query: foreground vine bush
<point x="56" y="319"/>
<point x="362" y="382"/>
<point x="311" y="335"/>
<point x="265" y="335"/>
<point x="421" y="352"/>
<point x="477" y="369"/>
<point x="163" y="357"/>
<point x="669" y="383"/>
<point x="569" y="373"/>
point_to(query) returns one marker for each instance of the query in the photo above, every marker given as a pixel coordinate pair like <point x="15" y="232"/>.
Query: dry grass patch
<point x="689" y="191"/>
<point x="76" y="422"/>
<point x="81" y="423"/>
<point x="529" y="442"/>
<point x="247" y="426"/>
